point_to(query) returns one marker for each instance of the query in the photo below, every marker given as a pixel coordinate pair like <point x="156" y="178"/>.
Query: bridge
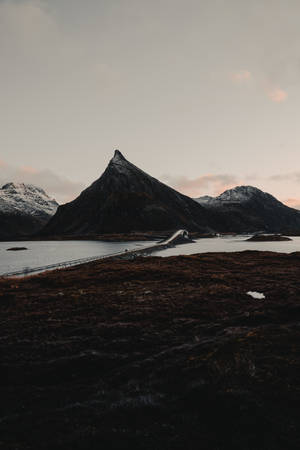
<point x="179" y="237"/>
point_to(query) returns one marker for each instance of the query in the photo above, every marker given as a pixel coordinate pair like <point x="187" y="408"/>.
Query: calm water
<point x="43" y="253"/>
<point x="231" y="244"/>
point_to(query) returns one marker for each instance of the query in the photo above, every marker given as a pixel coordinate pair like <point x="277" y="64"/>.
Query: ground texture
<point x="152" y="354"/>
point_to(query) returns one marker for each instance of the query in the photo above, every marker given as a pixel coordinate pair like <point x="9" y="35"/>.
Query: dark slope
<point x="248" y="209"/>
<point x="126" y="199"/>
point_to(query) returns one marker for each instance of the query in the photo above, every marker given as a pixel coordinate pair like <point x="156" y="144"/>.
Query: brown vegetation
<point x="155" y="353"/>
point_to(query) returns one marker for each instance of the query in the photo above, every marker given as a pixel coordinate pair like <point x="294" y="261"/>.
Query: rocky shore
<point x="154" y="353"/>
<point x="268" y="238"/>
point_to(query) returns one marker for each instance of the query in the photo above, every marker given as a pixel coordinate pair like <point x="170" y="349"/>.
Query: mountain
<point x="127" y="199"/>
<point x="24" y="210"/>
<point x="248" y="209"/>
<point x="204" y="199"/>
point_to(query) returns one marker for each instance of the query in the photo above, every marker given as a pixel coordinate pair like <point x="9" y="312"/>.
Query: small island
<point x="16" y="249"/>
<point x="268" y="238"/>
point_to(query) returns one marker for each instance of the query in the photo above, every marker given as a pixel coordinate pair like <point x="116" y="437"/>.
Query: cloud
<point x="206" y="184"/>
<point x="240" y="76"/>
<point x="61" y="188"/>
<point x="28" y="170"/>
<point x="276" y="94"/>
<point x="292" y="176"/>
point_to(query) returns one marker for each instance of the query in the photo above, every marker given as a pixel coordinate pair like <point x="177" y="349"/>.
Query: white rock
<point x="256" y="295"/>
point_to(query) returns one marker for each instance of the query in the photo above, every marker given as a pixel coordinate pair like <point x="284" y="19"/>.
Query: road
<point x="144" y="251"/>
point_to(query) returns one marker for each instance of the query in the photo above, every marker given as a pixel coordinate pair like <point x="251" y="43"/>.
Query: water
<point x="44" y="253"/>
<point x="231" y="244"/>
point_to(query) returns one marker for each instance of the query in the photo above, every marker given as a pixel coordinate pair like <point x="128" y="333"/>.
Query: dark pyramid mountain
<point x="127" y="199"/>
<point x="246" y="208"/>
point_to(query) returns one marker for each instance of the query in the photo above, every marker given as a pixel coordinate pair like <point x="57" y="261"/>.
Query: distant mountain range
<point x="24" y="210"/>
<point x="126" y="199"/>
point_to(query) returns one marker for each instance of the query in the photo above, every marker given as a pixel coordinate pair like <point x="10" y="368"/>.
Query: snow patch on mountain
<point x="26" y="199"/>
<point x="239" y="194"/>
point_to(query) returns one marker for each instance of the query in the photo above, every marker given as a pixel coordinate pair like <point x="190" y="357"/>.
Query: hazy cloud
<point x="61" y="188"/>
<point x="240" y="76"/>
<point x="293" y="176"/>
<point x="272" y="90"/>
<point x="206" y="184"/>
<point x="276" y="94"/>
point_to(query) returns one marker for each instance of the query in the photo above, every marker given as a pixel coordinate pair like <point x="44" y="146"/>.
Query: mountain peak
<point x="22" y="189"/>
<point x="118" y="157"/>
<point x="125" y="199"/>
<point x="12" y="185"/>
<point x="240" y="193"/>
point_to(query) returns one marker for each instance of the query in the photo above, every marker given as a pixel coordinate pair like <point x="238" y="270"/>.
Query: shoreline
<point x="180" y="237"/>
<point x="138" y="236"/>
<point x="114" y="237"/>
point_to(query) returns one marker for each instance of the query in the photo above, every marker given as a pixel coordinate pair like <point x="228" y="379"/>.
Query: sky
<point x="202" y="94"/>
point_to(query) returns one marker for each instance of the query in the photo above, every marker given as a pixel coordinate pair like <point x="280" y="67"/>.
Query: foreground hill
<point x="126" y="199"/>
<point x="24" y="210"/>
<point x="156" y="353"/>
<point x="246" y="208"/>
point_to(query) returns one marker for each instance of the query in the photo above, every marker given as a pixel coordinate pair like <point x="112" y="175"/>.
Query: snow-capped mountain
<point x="24" y="209"/>
<point x="239" y="194"/>
<point x="20" y="198"/>
<point x="247" y="208"/>
<point x="125" y="198"/>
